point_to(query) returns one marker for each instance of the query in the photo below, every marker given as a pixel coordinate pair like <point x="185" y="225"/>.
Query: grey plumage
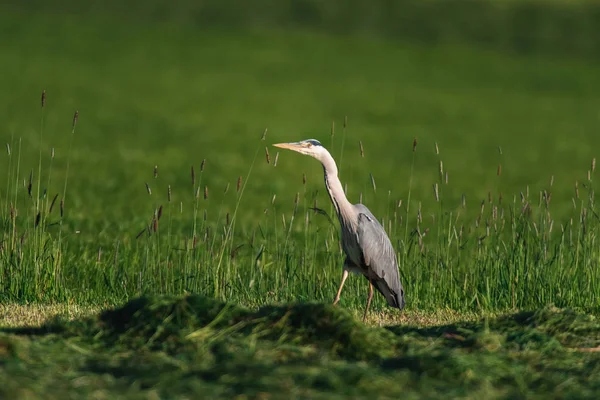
<point x="368" y="249"/>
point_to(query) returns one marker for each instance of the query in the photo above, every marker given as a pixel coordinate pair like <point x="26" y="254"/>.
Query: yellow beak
<point x="289" y="146"/>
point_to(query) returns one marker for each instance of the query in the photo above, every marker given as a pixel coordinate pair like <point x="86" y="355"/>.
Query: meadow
<point x="480" y="164"/>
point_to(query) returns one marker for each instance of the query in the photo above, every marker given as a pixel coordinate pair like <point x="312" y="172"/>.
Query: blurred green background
<point x="173" y="83"/>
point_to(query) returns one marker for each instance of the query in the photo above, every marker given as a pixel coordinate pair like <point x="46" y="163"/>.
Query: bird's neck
<point x="342" y="206"/>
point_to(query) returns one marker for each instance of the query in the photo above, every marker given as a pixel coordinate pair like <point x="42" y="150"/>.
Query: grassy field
<point x="163" y="187"/>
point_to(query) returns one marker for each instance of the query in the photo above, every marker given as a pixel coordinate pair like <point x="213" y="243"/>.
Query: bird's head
<point x="309" y="147"/>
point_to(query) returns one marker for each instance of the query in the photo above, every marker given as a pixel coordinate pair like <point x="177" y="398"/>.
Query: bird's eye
<point x="309" y="144"/>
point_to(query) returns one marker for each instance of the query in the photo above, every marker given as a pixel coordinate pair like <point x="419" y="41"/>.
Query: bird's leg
<point x="339" y="292"/>
<point x="368" y="300"/>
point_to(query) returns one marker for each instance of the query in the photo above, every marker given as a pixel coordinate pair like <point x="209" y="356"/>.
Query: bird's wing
<point x="380" y="257"/>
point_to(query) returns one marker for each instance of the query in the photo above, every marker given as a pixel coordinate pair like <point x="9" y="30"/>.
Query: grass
<point x="176" y="347"/>
<point x="167" y="186"/>
<point x="506" y="231"/>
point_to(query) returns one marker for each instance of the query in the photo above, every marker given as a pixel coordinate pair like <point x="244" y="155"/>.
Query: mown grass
<point x="176" y="347"/>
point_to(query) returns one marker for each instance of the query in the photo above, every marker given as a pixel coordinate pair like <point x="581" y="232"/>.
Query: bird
<point x="367" y="247"/>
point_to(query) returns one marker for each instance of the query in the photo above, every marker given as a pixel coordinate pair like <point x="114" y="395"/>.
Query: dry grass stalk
<point x="276" y="158"/>
<point x="8" y="149"/>
<point x="202" y="164"/>
<point x="239" y="184"/>
<point x="577" y="189"/>
<point x="593" y="164"/>
<point x="499" y="170"/>
<point x="267" y="155"/>
<point x="148" y="189"/>
<point x="332" y="128"/>
<point x="435" y="192"/>
<point x="273" y="199"/>
<point x="99" y="259"/>
<point x="362" y="150"/>
<point x="264" y="135"/>
<point x="373" y="183"/>
<point x="437" y="149"/>
<point x="205" y="192"/>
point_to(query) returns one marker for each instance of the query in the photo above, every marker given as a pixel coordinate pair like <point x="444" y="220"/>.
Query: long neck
<point x="344" y="209"/>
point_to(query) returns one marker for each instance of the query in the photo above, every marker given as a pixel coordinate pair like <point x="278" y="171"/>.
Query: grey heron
<point x="368" y="249"/>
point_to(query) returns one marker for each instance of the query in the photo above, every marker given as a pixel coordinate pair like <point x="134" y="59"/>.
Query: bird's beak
<point x="289" y="146"/>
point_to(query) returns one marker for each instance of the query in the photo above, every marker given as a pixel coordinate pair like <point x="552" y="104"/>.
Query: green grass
<point x="180" y="347"/>
<point x="172" y="96"/>
<point x="174" y="120"/>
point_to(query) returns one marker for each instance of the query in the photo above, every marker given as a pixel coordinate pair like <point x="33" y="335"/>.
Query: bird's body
<point x="368" y="249"/>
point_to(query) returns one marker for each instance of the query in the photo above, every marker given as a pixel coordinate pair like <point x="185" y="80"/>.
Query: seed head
<point x="202" y="165"/>
<point x="148" y="189"/>
<point x="267" y="155"/>
<point x="437" y="150"/>
<point x="303" y="178"/>
<point x="155" y="171"/>
<point x="362" y="150"/>
<point x="239" y="183"/>
<point x="593" y="164"/>
<point x="75" y="118"/>
<point x="52" y="203"/>
<point x="499" y="170"/>
<point x="345" y="121"/>
<point x="435" y="192"/>
<point x="414" y="145"/>
<point x="29" y="185"/>
<point x="43" y="98"/>
<point x="205" y="192"/>
<point x="159" y="213"/>
<point x="193" y="174"/>
<point x="62" y="207"/>
<point x="264" y="135"/>
<point x="276" y="158"/>
<point x="169" y="193"/>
